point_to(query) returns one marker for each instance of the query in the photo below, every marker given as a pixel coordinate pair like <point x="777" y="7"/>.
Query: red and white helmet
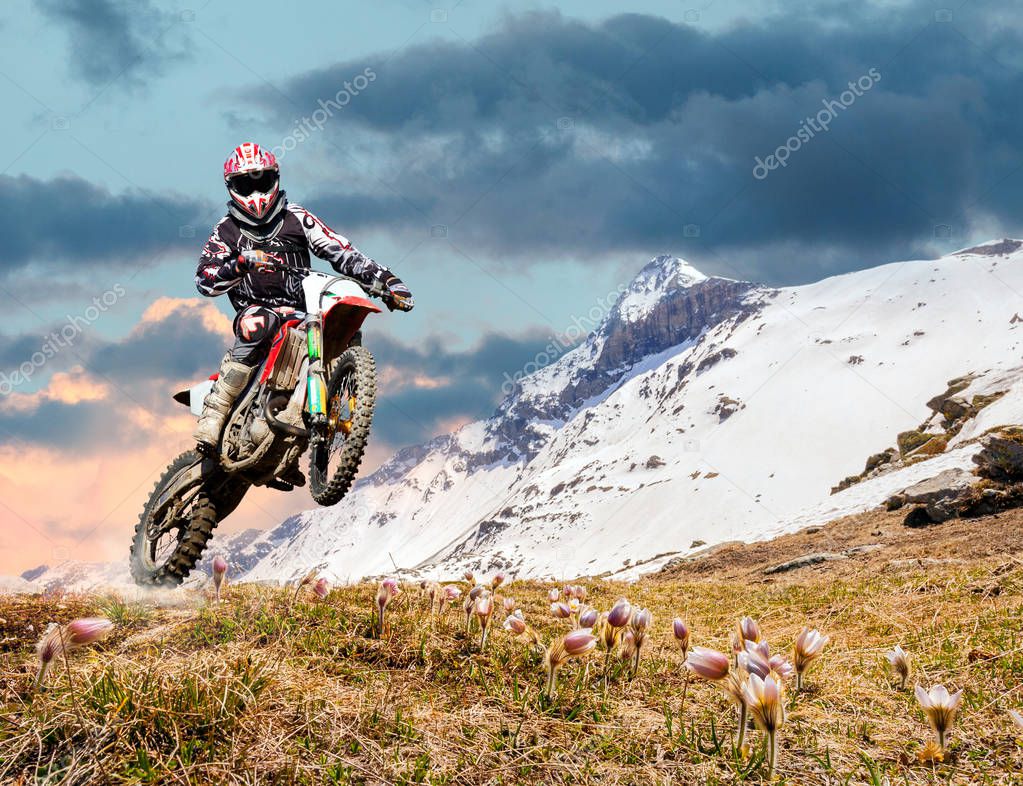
<point x="253" y="179"/>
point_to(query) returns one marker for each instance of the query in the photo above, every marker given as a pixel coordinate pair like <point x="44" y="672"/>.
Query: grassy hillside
<point x="266" y="688"/>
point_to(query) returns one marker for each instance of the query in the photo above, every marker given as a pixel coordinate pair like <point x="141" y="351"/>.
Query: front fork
<point x="316" y="387"/>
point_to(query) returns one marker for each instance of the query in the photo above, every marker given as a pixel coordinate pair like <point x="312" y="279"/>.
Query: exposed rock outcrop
<point x="962" y="401"/>
<point x="1001" y="455"/>
<point x="803" y="562"/>
<point x="714" y="358"/>
<point x="956" y="493"/>
<point x="998" y="248"/>
<point x="680" y="316"/>
<point x="938" y="497"/>
<point x="818" y="557"/>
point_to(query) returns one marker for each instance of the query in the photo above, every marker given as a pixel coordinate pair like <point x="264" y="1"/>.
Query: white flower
<point x="899" y="662"/>
<point x="940" y="707"/>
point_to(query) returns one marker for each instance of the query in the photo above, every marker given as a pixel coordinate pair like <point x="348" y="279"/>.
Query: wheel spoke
<point x="165" y="534"/>
<point x="341" y="414"/>
<point x="163" y="548"/>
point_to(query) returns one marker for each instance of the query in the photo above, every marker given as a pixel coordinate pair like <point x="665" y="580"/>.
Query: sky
<point x="514" y="163"/>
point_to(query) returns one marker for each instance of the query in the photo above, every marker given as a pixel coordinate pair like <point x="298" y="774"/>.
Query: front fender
<point x="342" y="320"/>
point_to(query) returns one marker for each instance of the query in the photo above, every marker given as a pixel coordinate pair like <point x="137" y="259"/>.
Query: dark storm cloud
<point x="72" y="221"/>
<point x="115" y="41"/>
<point x="551" y="137"/>
<point x="180" y="347"/>
<point x="466" y="382"/>
<point x="85" y="426"/>
<point x="16" y="349"/>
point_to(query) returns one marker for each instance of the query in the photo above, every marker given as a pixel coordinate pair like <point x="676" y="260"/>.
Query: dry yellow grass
<point x="263" y="690"/>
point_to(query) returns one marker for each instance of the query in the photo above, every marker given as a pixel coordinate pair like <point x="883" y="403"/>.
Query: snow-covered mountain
<point x="700" y="410"/>
<point x="243" y="550"/>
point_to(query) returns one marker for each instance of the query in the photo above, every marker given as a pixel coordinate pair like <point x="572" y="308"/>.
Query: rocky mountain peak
<point x="661" y="276"/>
<point x="667" y="304"/>
<point x="993" y="248"/>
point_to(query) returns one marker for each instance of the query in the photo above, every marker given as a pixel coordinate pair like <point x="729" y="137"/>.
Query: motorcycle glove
<point x="396" y="295"/>
<point x="253" y="260"/>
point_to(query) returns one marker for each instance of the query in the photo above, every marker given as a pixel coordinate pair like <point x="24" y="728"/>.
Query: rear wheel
<point x="167" y="546"/>
<point x="351" y="397"/>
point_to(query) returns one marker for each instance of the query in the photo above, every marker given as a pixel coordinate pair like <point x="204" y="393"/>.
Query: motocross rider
<point x="261" y="227"/>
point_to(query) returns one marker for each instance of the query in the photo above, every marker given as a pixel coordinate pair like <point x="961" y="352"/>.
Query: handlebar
<point x="374" y="290"/>
<point x="277" y="267"/>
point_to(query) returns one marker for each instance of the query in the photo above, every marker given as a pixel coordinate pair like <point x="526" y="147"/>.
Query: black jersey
<point x="298" y="234"/>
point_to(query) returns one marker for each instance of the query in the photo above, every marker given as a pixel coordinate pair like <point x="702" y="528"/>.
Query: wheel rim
<point x="340" y="418"/>
<point x="163" y="537"/>
<point x="163" y="547"/>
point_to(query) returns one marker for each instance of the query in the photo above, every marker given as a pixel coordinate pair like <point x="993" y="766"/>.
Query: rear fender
<point x="193" y="396"/>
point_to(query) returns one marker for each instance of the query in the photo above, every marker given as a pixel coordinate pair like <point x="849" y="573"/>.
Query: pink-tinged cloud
<point x="56" y="506"/>
<point x="77" y="494"/>
<point x="80" y="455"/>
<point x="205" y="311"/>
<point x="395" y="378"/>
<point x="70" y="387"/>
<point x="450" y="425"/>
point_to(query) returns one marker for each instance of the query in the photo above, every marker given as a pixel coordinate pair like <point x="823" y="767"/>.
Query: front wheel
<point x="351" y="397"/>
<point x="171" y="534"/>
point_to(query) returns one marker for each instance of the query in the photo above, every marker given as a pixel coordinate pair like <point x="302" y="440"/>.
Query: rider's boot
<point x="230" y="383"/>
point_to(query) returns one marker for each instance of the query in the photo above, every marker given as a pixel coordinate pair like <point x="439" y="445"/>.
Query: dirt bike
<point x="315" y="391"/>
